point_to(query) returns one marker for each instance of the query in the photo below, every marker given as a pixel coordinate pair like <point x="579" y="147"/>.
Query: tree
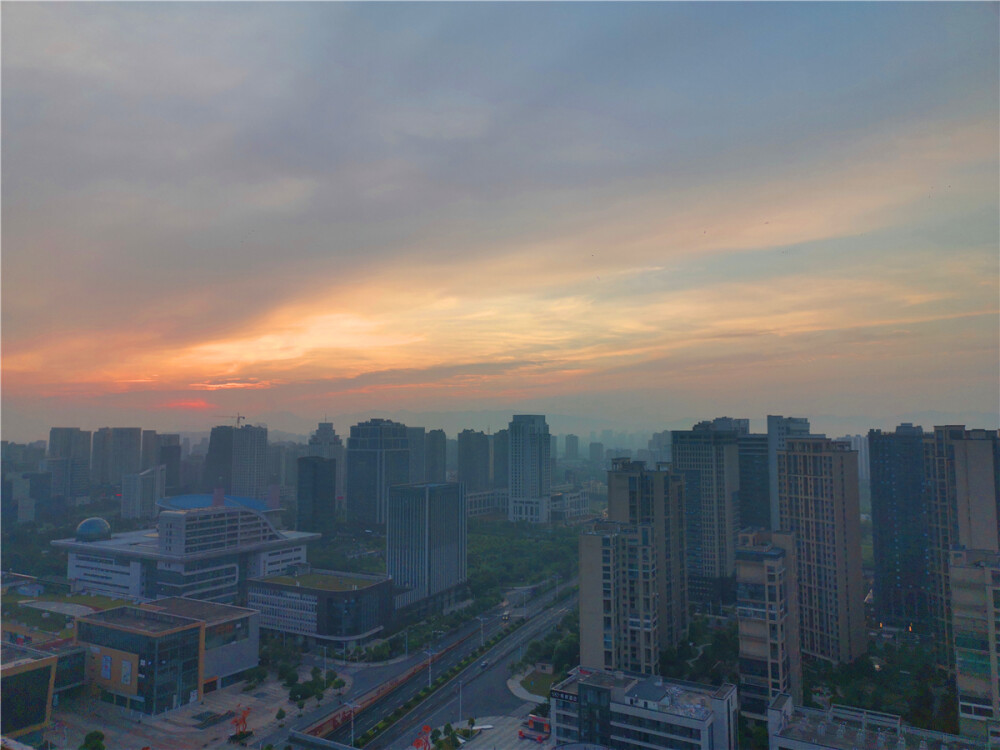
<point x="280" y="715"/>
<point x="93" y="741"/>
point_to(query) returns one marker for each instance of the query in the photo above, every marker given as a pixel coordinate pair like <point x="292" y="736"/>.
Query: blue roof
<point x="187" y="502"/>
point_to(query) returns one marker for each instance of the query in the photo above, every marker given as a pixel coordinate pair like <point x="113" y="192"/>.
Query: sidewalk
<point x="514" y="685"/>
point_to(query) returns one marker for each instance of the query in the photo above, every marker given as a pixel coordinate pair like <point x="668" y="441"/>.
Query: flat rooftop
<point x="208" y="612"/>
<point x="844" y="728"/>
<point x="139" y="620"/>
<point x="327" y="581"/>
<point x="12" y="655"/>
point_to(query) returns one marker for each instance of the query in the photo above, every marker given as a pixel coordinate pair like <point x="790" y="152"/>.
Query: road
<point x="365" y="678"/>
<point x="481" y="691"/>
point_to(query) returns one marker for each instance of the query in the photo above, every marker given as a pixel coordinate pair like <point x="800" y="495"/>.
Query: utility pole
<point x="353" y="707"/>
<point x="429" y="663"/>
<point x="324" y="663"/>
<point x="459" y="701"/>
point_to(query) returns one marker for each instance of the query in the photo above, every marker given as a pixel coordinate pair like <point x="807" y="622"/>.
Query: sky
<point x="627" y="213"/>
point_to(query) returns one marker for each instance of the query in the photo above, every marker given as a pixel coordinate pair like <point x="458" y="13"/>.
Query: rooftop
<point x="208" y="612"/>
<point x="845" y="728"/>
<point x="140" y="620"/>
<point x="327" y="581"/>
<point x="12" y="655"/>
<point x="189" y="502"/>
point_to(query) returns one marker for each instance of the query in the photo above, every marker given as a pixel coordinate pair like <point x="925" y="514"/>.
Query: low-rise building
<point x="202" y="552"/>
<point x="151" y="660"/>
<point x="630" y="712"/>
<point x="487" y="502"/>
<point x="27" y="681"/>
<point x="324" y="606"/>
<point x="790" y="727"/>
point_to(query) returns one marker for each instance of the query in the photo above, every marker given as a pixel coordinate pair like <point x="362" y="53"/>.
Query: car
<point x="484" y="663"/>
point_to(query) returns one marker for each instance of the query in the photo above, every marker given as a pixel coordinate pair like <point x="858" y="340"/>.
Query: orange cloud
<point x="188" y="405"/>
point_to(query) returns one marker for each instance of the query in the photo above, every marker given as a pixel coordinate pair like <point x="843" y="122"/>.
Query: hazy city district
<point x="689" y="589"/>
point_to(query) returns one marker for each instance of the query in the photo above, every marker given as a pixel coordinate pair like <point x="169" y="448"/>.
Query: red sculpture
<point x="423" y="739"/>
<point x="240" y="722"/>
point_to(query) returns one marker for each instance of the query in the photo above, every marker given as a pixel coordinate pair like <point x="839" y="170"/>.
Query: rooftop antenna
<point x="237" y="416"/>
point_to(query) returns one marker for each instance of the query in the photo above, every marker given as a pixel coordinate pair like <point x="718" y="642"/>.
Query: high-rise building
<point x="530" y="468"/>
<point x="435" y="456"/>
<point x="975" y="613"/>
<point x="378" y="457"/>
<point x="779" y="429"/>
<point x="170" y="459"/>
<point x="597" y="455"/>
<point x="218" y="471"/>
<point x="316" y="495"/>
<point x="416" y="437"/>
<point x="501" y="459"/>
<point x="709" y="460"/>
<point x="655" y="497"/>
<point x="474" y="460"/>
<point x="619" y="622"/>
<point x="962" y="473"/>
<point x="899" y="527"/>
<point x="767" y="610"/>
<point x="572" y="447"/>
<point x="73" y="445"/>
<point x="818" y="501"/>
<point x="755" y="482"/>
<point x="150" y="449"/>
<point x="141" y="492"/>
<point x="250" y="461"/>
<point x="126" y="453"/>
<point x="100" y="460"/>
<point x="326" y="443"/>
<point x="426" y="544"/>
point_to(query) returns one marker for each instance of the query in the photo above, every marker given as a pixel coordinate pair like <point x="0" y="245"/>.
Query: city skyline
<point x="637" y="214"/>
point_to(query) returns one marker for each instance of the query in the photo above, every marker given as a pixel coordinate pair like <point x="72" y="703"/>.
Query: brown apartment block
<point x="962" y="479"/>
<point x="767" y="610"/>
<point x="818" y="501"/>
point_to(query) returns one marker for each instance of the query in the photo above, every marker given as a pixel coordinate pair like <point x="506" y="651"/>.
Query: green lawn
<point x="538" y="683"/>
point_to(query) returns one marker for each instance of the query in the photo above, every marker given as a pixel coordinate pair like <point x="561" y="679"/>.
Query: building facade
<point x="629" y="712"/>
<point x="474" y="460"/>
<point x="141" y="492"/>
<point x="342" y="610"/>
<point x="709" y="460"/>
<point x="378" y="457"/>
<point x="900" y="523"/>
<point x="435" y="456"/>
<point x="530" y="468"/>
<point x="249" y="478"/>
<point x="767" y="612"/>
<point x="779" y="429"/>
<point x="818" y="501"/>
<point x="316" y="494"/>
<point x="426" y="544"/>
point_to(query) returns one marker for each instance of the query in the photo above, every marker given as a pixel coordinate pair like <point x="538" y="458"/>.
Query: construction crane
<point x="237" y="416"/>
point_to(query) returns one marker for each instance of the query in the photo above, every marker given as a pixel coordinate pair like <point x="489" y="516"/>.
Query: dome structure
<point x="93" y="530"/>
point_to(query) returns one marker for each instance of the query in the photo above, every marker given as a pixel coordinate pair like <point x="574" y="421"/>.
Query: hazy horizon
<point x="625" y="214"/>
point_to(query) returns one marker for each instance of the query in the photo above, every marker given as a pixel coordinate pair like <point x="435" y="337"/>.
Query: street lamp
<point x="324" y="661"/>
<point x="459" y="701"/>
<point x="353" y="707"/>
<point x="430" y="654"/>
<point x="482" y="638"/>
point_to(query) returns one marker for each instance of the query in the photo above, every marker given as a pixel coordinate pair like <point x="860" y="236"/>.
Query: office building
<point x="435" y="456"/>
<point x="126" y="453"/>
<point x="426" y="545"/>
<point x="141" y="492"/>
<point x="501" y="459"/>
<point x="218" y="470"/>
<point x="568" y="503"/>
<point x="27" y="682"/>
<point x="326" y="443"/>
<point x="779" y="429"/>
<point x="316" y="495"/>
<point x="324" y="607"/>
<point x="199" y="552"/>
<point x="572" y="448"/>
<point x="790" y="727"/>
<point x="962" y="474"/>
<point x="900" y="523"/>
<point x="377" y="459"/>
<point x="530" y="468"/>
<point x="597" y="456"/>
<point x="709" y="461"/>
<point x="72" y="445"/>
<point x="619" y="600"/>
<point x="250" y="461"/>
<point x="170" y="460"/>
<point x="975" y="612"/>
<point x="630" y="712"/>
<point x="474" y="460"/>
<point x="154" y="659"/>
<point x="487" y="503"/>
<point x="818" y="501"/>
<point x="416" y="437"/>
<point x="755" y="482"/>
<point x="655" y="497"/>
<point x="767" y="612"/>
<point x="150" y="451"/>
